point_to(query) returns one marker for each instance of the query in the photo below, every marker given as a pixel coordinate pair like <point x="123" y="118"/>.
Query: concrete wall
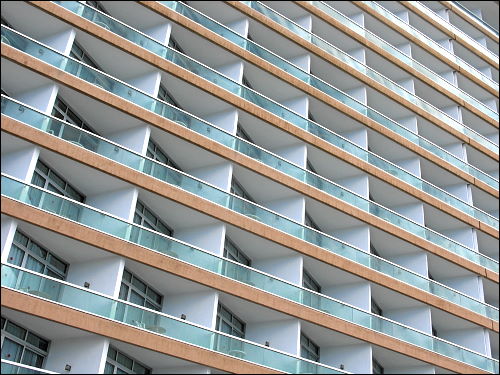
<point x="200" y="307"/>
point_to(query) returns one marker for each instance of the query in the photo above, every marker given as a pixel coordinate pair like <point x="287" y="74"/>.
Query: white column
<point x="232" y="70"/>
<point x="289" y="268"/>
<point x="281" y="334"/>
<point x="199" y="307"/>
<point x="21" y="163"/>
<point x="209" y="237"/>
<point x="85" y="355"/>
<point x="9" y="227"/>
<point x="135" y="138"/>
<point x="149" y="82"/>
<point x="61" y="41"/>
<point x="240" y="27"/>
<point x="160" y="32"/>
<point x="42" y="98"/>
<point x="119" y="202"/>
<point x="354" y="358"/>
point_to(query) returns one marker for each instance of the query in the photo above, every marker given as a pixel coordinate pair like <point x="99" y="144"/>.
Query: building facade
<point x="250" y="187"/>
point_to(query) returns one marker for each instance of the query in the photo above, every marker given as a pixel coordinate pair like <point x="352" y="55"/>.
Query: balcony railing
<point x="225" y="267"/>
<point x="10" y="367"/>
<point x="254" y="97"/>
<point x="401" y="56"/>
<point x="355" y="64"/>
<point x="69" y="295"/>
<point x="128" y="92"/>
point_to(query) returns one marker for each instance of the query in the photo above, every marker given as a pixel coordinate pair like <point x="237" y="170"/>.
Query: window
<point x="309" y="167"/>
<point x="26" y="253"/>
<point x="63" y="112"/>
<point x="310" y="116"/>
<point x="434" y="331"/>
<point x="135" y="290"/>
<point x="119" y="363"/>
<point x="164" y="95"/>
<point x="173" y="44"/>
<point x="229" y="323"/>
<point x="243" y="134"/>
<point x="22" y="346"/>
<point x="238" y="190"/>
<point x="309" y="283"/>
<point x="376" y="308"/>
<point x="308" y="349"/>
<point x="50" y="180"/>
<point x="4" y="22"/>
<point x="79" y="53"/>
<point x="310" y="222"/>
<point x="145" y="217"/>
<point x="156" y="153"/>
<point x="377" y="367"/>
<point x="97" y="5"/>
<point x="231" y="251"/>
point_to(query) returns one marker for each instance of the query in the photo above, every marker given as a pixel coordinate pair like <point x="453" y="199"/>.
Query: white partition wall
<point x="21" y="163"/>
<point x="84" y="355"/>
<point x="199" y="308"/>
<point x="9" y="227"/>
<point x="356" y="359"/>
<point x="281" y="334"/>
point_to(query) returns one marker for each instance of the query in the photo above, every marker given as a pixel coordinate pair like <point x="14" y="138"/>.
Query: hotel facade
<point x="250" y="187"/>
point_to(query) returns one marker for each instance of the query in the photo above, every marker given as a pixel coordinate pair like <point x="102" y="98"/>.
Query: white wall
<point x="358" y="137"/>
<point x="239" y="26"/>
<point x="413" y="211"/>
<point x="355" y="358"/>
<point x="356" y="294"/>
<point x="117" y="202"/>
<point x="416" y="317"/>
<point x="41" y="98"/>
<point x="299" y="105"/>
<point x="281" y="334"/>
<point x="474" y="338"/>
<point x="411" y="165"/>
<point x="409" y="123"/>
<point x="360" y="55"/>
<point x="461" y="191"/>
<point x="232" y="70"/>
<point x="358" y="236"/>
<point x="293" y="207"/>
<point x="136" y="138"/>
<point x="416" y="262"/>
<point x="9" y="227"/>
<point x="302" y="61"/>
<point x="471" y="285"/>
<point x="219" y="175"/>
<point x="457" y="149"/>
<point x="288" y="268"/>
<point x="358" y="184"/>
<point x="104" y="275"/>
<point x="465" y="236"/>
<point x="149" y="82"/>
<point x="296" y="153"/>
<point x="453" y="111"/>
<point x="209" y="237"/>
<point x="21" y="163"/>
<point x="160" y="32"/>
<point x="85" y="355"/>
<point x="200" y="307"/>
<point x="304" y="21"/>
<point x="227" y="120"/>
<point x="62" y="41"/>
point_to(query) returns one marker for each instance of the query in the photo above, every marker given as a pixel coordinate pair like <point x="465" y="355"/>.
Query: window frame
<point x="172" y="43"/>
<point x="48" y="180"/>
<point x="144" y="218"/>
<point x="164" y="95"/>
<point x="117" y="365"/>
<point x="375" y="364"/>
<point x="153" y="150"/>
<point x="244" y="194"/>
<point x="311" y="281"/>
<point x="308" y="221"/>
<point x="375" y="308"/>
<point x="26" y="249"/>
<point x="220" y="317"/>
<point x="131" y="287"/>
<point x="238" y="253"/>
<point x="310" y="347"/>
<point x="23" y="342"/>
<point x="67" y="117"/>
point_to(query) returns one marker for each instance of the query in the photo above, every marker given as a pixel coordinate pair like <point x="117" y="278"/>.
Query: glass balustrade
<point x="53" y="289"/>
<point x="476" y="18"/>
<point x="379" y="78"/>
<point x="95" y="219"/>
<point x="293" y="228"/>
<point x="10" y="367"/>
<point x="168" y="174"/>
<point x="401" y="56"/>
<point x="97" y="304"/>
<point x="441" y="21"/>
<point x="431" y="43"/>
<point x="273" y="107"/>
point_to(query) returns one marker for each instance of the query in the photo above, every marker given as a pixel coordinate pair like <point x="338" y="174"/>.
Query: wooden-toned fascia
<point x="282" y="30"/>
<point x="463" y="14"/>
<point x="251" y="108"/>
<point x="384" y="53"/>
<point x="128" y="334"/>
<point x="443" y="27"/>
<point x="223" y="284"/>
<point x="151" y="117"/>
<point x="423" y="44"/>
